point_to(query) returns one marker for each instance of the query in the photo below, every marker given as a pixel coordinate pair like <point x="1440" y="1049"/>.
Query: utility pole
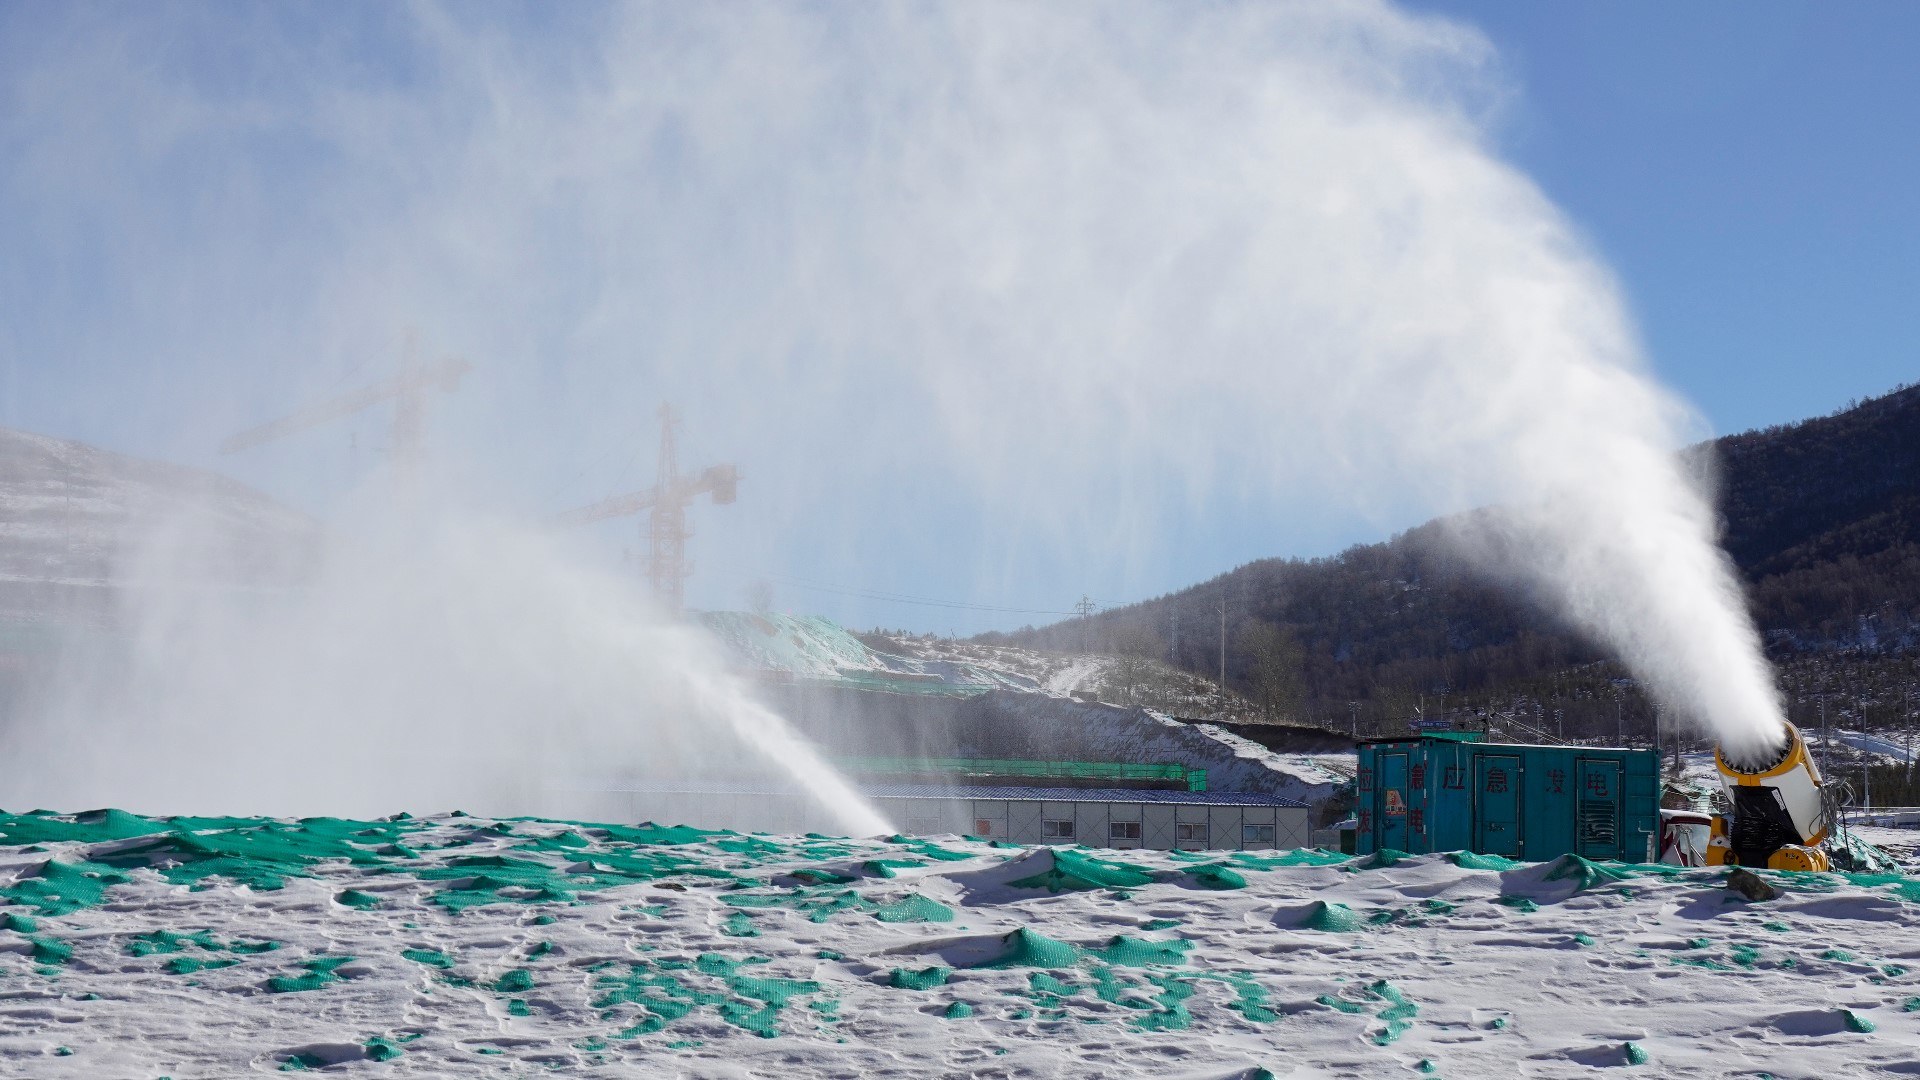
<point x="1907" y="713"/>
<point x="1085" y="609"/>
<point x="1353" y="716"/>
<point x="1619" y="718"/>
<point x="1826" y="745"/>
<point x="1223" y="645"/>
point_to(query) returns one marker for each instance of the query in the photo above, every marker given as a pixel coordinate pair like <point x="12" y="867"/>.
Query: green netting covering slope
<point x="1064" y="869"/>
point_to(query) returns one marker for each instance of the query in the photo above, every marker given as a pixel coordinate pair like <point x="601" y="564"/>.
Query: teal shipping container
<point x="1451" y="792"/>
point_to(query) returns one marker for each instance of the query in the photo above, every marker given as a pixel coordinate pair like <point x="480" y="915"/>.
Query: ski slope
<point x="457" y="946"/>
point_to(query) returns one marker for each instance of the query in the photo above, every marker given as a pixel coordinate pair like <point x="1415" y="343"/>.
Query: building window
<point x="1125" y="830"/>
<point x="1056" y="829"/>
<point x="982" y="827"/>
<point x="1256" y="835"/>
<point x="1192" y="833"/>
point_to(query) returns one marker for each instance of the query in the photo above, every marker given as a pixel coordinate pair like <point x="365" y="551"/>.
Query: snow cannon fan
<point x="1779" y="814"/>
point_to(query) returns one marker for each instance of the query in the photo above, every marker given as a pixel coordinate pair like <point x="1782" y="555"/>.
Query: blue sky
<point x="186" y="193"/>
<point x="1749" y="170"/>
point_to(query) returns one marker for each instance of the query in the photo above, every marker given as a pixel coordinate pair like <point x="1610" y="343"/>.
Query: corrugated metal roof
<point x="1072" y="794"/>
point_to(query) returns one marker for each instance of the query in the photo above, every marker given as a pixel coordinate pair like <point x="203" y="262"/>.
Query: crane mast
<point x="666" y="502"/>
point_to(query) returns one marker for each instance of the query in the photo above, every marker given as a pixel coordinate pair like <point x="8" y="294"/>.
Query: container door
<point x="1597" y="828"/>
<point x="1390" y="808"/>
<point x="1496" y="812"/>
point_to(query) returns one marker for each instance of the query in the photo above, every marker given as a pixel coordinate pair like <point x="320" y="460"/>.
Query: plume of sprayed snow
<point x="432" y="661"/>
<point x="1007" y="286"/>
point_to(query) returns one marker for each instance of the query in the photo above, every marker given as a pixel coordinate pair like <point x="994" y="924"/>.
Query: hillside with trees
<point x="1822" y="519"/>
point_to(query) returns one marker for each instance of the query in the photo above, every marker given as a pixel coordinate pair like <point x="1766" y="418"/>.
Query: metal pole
<point x="1909" y="715"/>
<point x="1659" y="748"/>
<point x="1223" y="646"/>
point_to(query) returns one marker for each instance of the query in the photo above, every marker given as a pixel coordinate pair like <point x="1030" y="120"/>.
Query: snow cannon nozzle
<point x="1762" y="758"/>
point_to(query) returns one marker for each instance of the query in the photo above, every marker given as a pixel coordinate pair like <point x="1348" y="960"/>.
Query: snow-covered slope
<point x="1022" y="705"/>
<point x="74" y="516"/>
<point x="817" y="649"/>
<point x="466" y="947"/>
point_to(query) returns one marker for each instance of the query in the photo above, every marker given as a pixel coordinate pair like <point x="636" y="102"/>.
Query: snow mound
<point x="457" y="946"/>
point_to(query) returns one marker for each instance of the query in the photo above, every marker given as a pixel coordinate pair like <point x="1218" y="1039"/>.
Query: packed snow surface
<point x="817" y="649"/>
<point x="455" y="946"/>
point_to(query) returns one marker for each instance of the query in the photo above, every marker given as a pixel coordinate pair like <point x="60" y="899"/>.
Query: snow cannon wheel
<point x="1800" y="858"/>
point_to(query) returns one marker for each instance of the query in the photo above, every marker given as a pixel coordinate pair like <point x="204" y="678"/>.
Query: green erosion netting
<point x="1904" y="887"/>
<point x="1398" y="1012"/>
<point x="50" y="950"/>
<point x="1064" y="870"/>
<point x="1470" y="860"/>
<point x="1139" y="952"/>
<point x="930" y="849"/>
<point x="429" y="957"/>
<point x="817" y="904"/>
<point x="187" y="965"/>
<point x="61" y="888"/>
<point x="1025" y="948"/>
<point x="166" y="941"/>
<point x="756" y="890"/>
<point x="885" y="867"/>
<point x="914" y="908"/>
<point x="1284" y="859"/>
<point x="668" y="990"/>
<point x="1330" y="917"/>
<point x="924" y="979"/>
<point x="1584" y="873"/>
<point x="1216" y="876"/>
<point x="320" y="973"/>
<point x="94" y="827"/>
<point x="517" y="981"/>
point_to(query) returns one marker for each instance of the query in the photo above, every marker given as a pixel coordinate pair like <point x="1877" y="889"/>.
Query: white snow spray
<point x="426" y="660"/>
<point x="1012" y="287"/>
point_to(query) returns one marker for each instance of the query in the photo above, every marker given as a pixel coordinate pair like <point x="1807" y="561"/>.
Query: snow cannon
<point x="1779" y="815"/>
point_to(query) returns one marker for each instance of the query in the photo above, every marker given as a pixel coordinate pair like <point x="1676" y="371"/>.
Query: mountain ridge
<point x="1820" y="517"/>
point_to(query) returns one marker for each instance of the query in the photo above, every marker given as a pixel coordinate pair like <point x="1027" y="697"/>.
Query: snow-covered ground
<point x="462" y="946"/>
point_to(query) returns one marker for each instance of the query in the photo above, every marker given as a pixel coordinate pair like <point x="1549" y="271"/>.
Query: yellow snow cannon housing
<point x="1779" y="817"/>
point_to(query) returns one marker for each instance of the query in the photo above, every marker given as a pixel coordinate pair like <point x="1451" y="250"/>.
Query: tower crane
<point x="407" y="390"/>
<point x="666" y="503"/>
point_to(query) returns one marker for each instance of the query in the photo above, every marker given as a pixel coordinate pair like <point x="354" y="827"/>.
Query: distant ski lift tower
<point x="666" y="502"/>
<point x="408" y="392"/>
